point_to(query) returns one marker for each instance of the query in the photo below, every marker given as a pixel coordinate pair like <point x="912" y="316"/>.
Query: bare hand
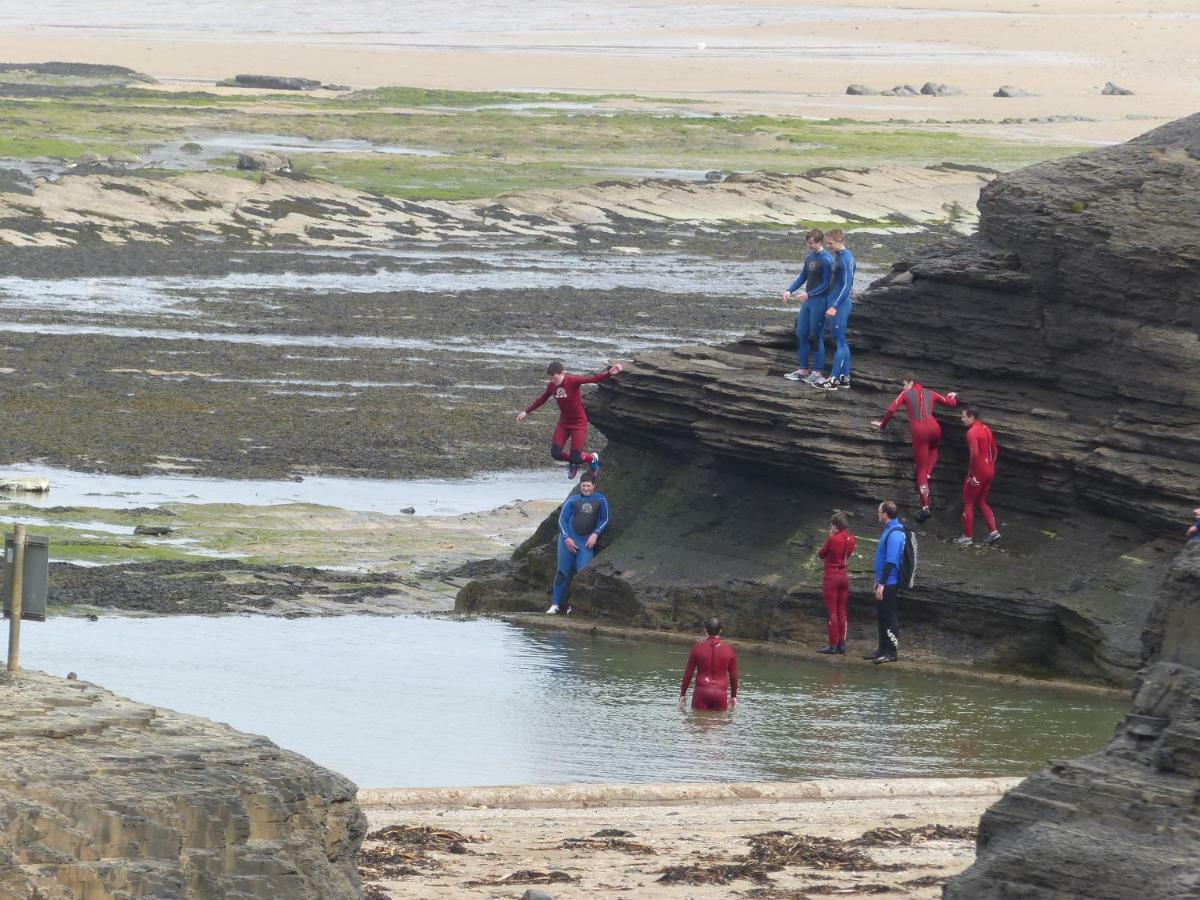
<point x="615" y="369"/>
<point x="973" y="481"/>
<point x="802" y="296"/>
<point x="953" y="395"/>
<point x="591" y="541"/>
<point x="682" y="700"/>
<point x="522" y="416"/>
<point x="733" y="702"/>
<point x="879" y="593"/>
<point x="572" y="546"/>
<point x="830" y="313"/>
<point x="878" y="423"/>
<point x="787" y="295"/>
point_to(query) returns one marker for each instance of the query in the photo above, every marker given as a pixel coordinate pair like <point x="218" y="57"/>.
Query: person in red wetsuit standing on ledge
<point x="980" y="473"/>
<point x="715" y="666"/>
<point x="572" y="420"/>
<point x="926" y="432"/>
<point x="839" y="546"/>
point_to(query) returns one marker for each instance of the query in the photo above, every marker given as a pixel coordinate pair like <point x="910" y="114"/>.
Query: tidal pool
<point x="416" y="701"/>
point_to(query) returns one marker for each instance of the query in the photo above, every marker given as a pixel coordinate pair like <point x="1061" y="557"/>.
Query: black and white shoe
<point x="844" y="382"/>
<point x="883" y="659"/>
<point x="798" y="375"/>
<point x="827" y="384"/>
<point x="572" y="471"/>
<point x="963" y="541"/>
<point x="924" y="514"/>
<point x="993" y="537"/>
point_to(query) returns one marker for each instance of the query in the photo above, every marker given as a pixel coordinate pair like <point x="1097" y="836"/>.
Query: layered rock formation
<point x="1122" y="823"/>
<point x="101" y="797"/>
<point x="119" y="207"/>
<point x="1070" y="318"/>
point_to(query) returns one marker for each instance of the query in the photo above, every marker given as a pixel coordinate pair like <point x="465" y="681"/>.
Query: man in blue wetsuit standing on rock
<point x="816" y="276"/>
<point x="888" y="558"/>
<point x="583" y="517"/>
<point x="838" y="312"/>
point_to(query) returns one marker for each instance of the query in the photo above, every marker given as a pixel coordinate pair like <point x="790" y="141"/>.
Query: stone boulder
<point x="860" y="90"/>
<point x="902" y="90"/>
<point x="721" y="474"/>
<point x="1007" y="90"/>
<point x="1113" y="90"/>
<point x="103" y="797"/>
<point x="261" y="161"/>
<point x="936" y="89"/>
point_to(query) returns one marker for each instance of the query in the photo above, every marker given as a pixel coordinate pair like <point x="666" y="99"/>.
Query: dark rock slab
<point x="1114" y="90"/>
<point x="860" y="90"/>
<point x="272" y="82"/>
<point x="1008" y="90"/>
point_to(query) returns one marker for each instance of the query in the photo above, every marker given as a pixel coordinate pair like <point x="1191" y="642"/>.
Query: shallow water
<point x="429" y="497"/>
<point x="426" y="702"/>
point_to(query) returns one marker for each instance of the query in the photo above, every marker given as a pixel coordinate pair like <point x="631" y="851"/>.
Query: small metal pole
<point x="18" y="587"/>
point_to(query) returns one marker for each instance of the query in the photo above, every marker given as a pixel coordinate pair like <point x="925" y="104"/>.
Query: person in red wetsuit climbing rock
<point x="980" y="473"/>
<point x="715" y="666"/>
<point x="926" y="432"/>
<point x="839" y="547"/>
<point x="572" y="420"/>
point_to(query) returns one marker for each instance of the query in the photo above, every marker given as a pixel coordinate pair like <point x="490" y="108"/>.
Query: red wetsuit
<point x="982" y="445"/>
<point x="837" y="551"/>
<point x="715" y="665"/>
<point x="926" y="432"/>
<point x="572" y="420"/>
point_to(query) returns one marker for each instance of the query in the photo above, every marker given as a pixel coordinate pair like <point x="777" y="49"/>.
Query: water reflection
<point x="423" y="702"/>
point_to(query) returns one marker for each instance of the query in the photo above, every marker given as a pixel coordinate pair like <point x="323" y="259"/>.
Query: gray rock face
<point x="1113" y="90"/>
<point x="902" y="90"/>
<point x="103" y="797"/>
<point x="721" y="474"/>
<point x="860" y="90"/>
<point x="1007" y="90"/>
<point x="1119" y="824"/>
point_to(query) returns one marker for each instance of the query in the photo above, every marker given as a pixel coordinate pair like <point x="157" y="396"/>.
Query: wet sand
<point x="669" y="826"/>
<point x="764" y="57"/>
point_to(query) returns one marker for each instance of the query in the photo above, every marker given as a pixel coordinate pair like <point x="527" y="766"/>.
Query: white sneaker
<point x="814" y="378"/>
<point x="993" y="537"/>
<point x="552" y="611"/>
<point x="798" y="375"/>
<point x="963" y="541"/>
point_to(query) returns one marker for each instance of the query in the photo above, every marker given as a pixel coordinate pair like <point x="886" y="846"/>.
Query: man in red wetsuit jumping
<point x="572" y="420"/>
<point x="839" y="547"/>
<point x="980" y="474"/>
<point x="926" y="432"/>
<point x="715" y="665"/>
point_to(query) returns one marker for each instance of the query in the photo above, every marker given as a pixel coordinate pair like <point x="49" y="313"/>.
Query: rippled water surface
<point x="426" y="702"/>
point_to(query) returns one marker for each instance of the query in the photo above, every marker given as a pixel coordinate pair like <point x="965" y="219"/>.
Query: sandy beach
<point x="793" y="58"/>
<point x="546" y="837"/>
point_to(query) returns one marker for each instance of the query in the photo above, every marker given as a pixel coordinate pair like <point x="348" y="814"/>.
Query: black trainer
<point x="872" y="656"/>
<point x="883" y="659"/>
<point x="924" y="514"/>
<point x="828" y="650"/>
<point x="840" y="649"/>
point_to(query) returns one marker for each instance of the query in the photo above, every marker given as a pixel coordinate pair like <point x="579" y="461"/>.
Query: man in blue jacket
<point x="815" y="276"/>
<point x="583" y="517"/>
<point x="838" y="312"/>
<point x="887" y="582"/>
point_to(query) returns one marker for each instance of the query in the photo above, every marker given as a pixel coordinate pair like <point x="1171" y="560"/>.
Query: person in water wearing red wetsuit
<point x="839" y="547"/>
<point x="715" y="666"/>
<point x="926" y="432"/>
<point x="980" y="474"/>
<point x="572" y="420"/>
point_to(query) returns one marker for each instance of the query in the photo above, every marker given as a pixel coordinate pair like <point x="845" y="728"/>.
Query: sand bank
<point x="675" y="825"/>
<point x="794" y="58"/>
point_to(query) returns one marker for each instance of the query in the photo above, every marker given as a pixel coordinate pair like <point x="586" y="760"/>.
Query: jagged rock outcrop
<point x="102" y="797"/>
<point x="1070" y="318"/>
<point x="1124" y="822"/>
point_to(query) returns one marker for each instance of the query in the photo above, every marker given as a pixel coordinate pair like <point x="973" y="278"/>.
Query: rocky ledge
<point x="1070" y="318"/>
<point x="104" y="797"/>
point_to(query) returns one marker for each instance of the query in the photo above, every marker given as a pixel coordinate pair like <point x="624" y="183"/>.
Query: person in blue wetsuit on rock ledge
<point x="838" y="312"/>
<point x="583" y="517"/>
<point x="816" y="276"/>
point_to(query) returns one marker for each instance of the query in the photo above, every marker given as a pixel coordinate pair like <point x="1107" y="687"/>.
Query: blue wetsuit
<point x="816" y="276"/>
<point x="887" y="572"/>
<point x="580" y="517"/>
<point x="843" y="283"/>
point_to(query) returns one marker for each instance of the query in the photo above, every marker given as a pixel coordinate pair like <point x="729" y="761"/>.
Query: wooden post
<point x="18" y="587"/>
